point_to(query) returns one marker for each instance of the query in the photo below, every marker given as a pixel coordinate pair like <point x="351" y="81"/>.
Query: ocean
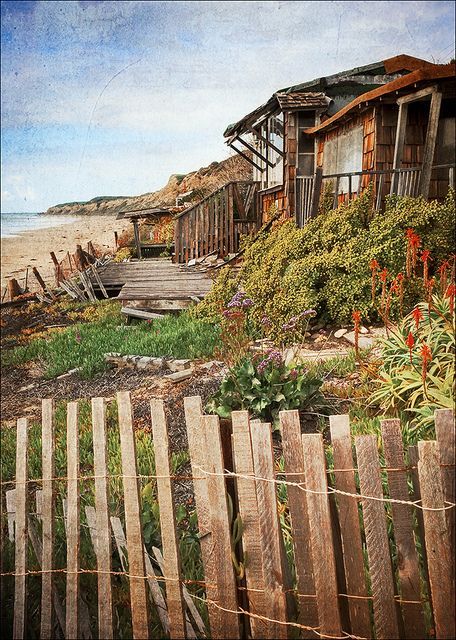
<point x="12" y="224"/>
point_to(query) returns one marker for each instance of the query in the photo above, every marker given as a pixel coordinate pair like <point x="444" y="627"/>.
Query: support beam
<point x="399" y="144"/>
<point x="253" y="150"/>
<point x="266" y="141"/>
<point x="246" y="157"/>
<point x="418" y="95"/>
<point x="137" y="239"/>
<point x="429" y="146"/>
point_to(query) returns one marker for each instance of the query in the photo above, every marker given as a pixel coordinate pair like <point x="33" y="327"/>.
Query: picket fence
<point x="385" y="570"/>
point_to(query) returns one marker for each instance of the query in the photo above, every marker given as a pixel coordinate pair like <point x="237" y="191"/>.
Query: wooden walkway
<point x="155" y="284"/>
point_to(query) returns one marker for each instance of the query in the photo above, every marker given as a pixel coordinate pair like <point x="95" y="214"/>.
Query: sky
<point x="111" y="98"/>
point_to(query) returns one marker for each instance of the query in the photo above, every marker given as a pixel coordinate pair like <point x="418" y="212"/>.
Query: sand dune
<point x="32" y="248"/>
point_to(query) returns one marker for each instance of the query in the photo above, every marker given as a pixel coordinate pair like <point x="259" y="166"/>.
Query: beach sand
<point x="32" y="248"/>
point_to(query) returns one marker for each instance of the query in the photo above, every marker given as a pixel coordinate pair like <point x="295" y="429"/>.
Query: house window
<point x="344" y="154"/>
<point x="271" y="130"/>
<point x="306" y="145"/>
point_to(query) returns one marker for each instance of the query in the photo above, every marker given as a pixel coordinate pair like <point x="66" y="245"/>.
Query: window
<point x="272" y="130"/>
<point x="344" y="154"/>
<point x="306" y="145"/>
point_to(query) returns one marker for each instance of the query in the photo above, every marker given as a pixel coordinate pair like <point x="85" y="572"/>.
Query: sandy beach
<point x="32" y="248"/>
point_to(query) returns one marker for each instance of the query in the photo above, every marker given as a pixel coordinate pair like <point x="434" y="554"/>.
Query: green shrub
<point x="264" y="385"/>
<point x="325" y="265"/>
<point x="223" y="289"/>
<point x="417" y="371"/>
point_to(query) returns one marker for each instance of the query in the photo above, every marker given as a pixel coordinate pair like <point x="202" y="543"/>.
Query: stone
<point x="340" y="332"/>
<point x="363" y="330"/>
<point x="363" y="343"/>
<point x="179" y="376"/>
<point x="192" y="262"/>
<point x="178" y="365"/>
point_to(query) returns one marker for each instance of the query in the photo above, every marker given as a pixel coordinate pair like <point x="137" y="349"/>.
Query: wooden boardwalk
<point x="155" y="284"/>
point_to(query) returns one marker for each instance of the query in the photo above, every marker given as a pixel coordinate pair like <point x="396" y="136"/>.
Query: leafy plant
<point x="417" y="371"/>
<point x="265" y="385"/>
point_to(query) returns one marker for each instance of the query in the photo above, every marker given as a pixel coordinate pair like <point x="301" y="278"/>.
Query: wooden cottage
<point x="390" y="123"/>
<point x="394" y="116"/>
<point x="152" y="229"/>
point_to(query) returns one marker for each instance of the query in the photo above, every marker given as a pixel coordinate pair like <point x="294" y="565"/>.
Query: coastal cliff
<point x="196" y="185"/>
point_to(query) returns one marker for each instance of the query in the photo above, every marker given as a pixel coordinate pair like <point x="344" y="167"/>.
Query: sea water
<point x="12" y="224"/>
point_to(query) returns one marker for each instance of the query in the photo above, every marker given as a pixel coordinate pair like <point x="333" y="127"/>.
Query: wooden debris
<point x="179" y="376"/>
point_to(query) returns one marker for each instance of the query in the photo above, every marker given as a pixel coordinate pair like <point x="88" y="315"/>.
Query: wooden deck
<point x="155" y="284"/>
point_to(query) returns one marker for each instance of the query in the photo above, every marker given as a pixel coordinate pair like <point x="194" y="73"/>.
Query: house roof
<point x="143" y="213"/>
<point x="358" y="80"/>
<point x="425" y="75"/>
<point x="298" y="100"/>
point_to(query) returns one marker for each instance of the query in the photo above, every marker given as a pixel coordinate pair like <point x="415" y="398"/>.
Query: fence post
<point x="72" y="585"/>
<point x="21" y="495"/>
<point x="48" y="473"/>
<point x="316" y="193"/>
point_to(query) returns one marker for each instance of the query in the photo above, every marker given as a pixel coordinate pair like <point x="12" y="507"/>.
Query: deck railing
<point x="217" y="222"/>
<point x="346" y="186"/>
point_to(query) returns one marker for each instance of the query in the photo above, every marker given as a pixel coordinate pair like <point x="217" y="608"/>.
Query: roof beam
<point x="266" y="141"/>
<point x="254" y="151"/>
<point x="246" y="157"/>
<point x="423" y="93"/>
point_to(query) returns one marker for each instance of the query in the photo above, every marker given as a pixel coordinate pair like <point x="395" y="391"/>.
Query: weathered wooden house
<point x="391" y="123"/>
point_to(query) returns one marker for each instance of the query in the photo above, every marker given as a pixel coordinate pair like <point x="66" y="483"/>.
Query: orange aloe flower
<point x="449" y="293"/>
<point x="410" y="341"/>
<point x="417" y="316"/>
<point x="426" y="357"/>
<point x="425" y="257"/>
<point x="356" y="316"/>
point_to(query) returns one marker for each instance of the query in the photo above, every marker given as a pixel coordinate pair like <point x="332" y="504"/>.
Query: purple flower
<point x="78" y="337"/>
<point x="247" y="302"/>
<point x="266" y="321"/>
<point x="293" y="374"/>
<point x="308" y="312"/>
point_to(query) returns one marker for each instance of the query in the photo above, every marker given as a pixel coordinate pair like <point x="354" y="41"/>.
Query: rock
<point x="27" y="388"/>
<point x="363" y="330"/>
<point x="68" y="373"/>
<point x="178" y="365"/>
<point x="207" y="366"/>
<point x="363" y="343"/>
<point x="179" y="376"/>
<point x="340" y="332"/>
<point x="191" y="263"/>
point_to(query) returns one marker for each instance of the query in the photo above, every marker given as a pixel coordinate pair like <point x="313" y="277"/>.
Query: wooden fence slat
<point x="407" y="557"/>
<point x="72" y="529"/>
<point x="196" y="445"/>
<point x="103" y="544"/>
<point x="138" y="593"/>
<point x="378" y="551"/>
<point x="350" y="526"/>
<point x="263" y="464"/>
<point x="170" y="541"/>
<point x="297" y="503"/>
<point x="21" y="505"/>
<point x="220" y="527"/>
<point x="445" y="434"/>
<point x="248" y="509"/>
<point x="323" y="560"/>
<point x="437" y="538"/>
<point x="48" y="473"/>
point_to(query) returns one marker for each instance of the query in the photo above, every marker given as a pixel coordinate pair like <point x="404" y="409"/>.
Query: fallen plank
<point x="141" y="313"/>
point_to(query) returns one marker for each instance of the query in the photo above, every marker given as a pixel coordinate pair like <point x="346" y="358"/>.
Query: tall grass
<point x="84" y="345"/>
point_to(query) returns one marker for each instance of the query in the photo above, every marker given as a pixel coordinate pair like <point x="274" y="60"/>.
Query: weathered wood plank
<point x="437" y="538"/>
<point x="228" y="623"/>
<point x="196" y="445"/>
<point x="176" y="609"/>
<point x="445" y="434"/>
<point x="48" y="473"/>
<point x="380" y="569"/>
<point x="21" y="508"/>
<point x="263" y="464"/>
<point x="248" y="508"/>
<point x="73" y="525"/>
<point x="323" y="561"/>
<point x="407" y="557"/>
<point x="103" y="545"/>
<point x="350" y="525"/>
<point x="297" y="503"/>
<point x="138" y="593"/>
<point x="429" y="145"/>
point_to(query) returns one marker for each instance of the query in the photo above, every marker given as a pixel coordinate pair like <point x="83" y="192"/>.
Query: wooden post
<point x="429" y="145"/>
<point x="349" y="525"/>
<point x="79" y="258"/>
<point x="103" y="550"/>
<point x="48" y="473"/>
<point x="72" y="529"/>
<point x="378" y="551"/>
<point x="56" y="268"/>
<point x="21" y="495"/>
<point x="135" y="544"/>
<point x="297" y="503"/>
<point x="399" y="144"/>
<point x="445" y="433"/>
<point x="323" y="561"/>
<point x="316" y="192"/>
<point x="437" y="539"/>
<point x="116" y="240"/>
<point x="408" y="568"/>
<point x="14" y="289"/>
<point x="170" y="540"/>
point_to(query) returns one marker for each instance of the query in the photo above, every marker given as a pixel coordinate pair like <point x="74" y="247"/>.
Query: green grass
<point x="84" y="345"/>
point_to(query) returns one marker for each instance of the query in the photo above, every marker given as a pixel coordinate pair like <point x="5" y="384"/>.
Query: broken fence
<point x="372" y="545"/>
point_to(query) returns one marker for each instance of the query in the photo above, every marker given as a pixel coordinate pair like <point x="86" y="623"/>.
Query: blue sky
<point x="106" y="98"/>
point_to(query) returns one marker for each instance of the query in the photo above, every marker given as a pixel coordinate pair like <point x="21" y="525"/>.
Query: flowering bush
<point x="417" y="371"/>
<point x="264" y="385"/>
